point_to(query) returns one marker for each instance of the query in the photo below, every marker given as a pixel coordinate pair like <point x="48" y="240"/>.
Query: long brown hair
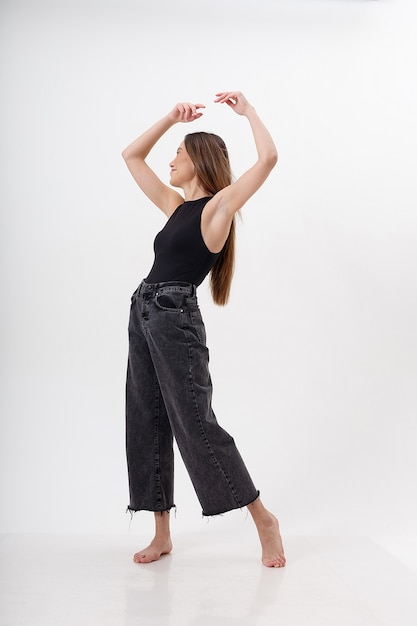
<point x="209" y="155"/>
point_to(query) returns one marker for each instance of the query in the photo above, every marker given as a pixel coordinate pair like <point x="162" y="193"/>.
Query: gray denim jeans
<point x="168" y="394"/>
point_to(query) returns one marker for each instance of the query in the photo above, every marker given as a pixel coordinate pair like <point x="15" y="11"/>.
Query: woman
<point x="168" y="391"/>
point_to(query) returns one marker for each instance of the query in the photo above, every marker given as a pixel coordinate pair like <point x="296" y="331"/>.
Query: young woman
<point x="168" y="391"/>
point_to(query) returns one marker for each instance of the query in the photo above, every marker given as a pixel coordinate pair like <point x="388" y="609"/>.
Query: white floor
<point x="90" y="580"/>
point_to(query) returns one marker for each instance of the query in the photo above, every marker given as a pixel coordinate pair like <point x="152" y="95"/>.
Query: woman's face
<point x="182" y="168"/>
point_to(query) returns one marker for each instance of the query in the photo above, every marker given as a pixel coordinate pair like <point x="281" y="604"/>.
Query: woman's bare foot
<point x="154" y="551"/>
<point x="271" y="542"/>
<point x="269" y="535"/>
<point x="160" y="544"/>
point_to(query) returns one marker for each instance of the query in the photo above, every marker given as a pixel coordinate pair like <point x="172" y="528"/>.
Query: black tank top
<point x="180" y="251"/>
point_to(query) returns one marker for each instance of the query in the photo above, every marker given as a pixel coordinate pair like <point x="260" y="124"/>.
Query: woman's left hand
<point x="235" y="99"/>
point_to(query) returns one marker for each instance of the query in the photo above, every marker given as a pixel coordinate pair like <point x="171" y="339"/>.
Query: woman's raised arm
<point x="135" y="155"/>
<point x="232" y="198"/>
<point x="219" y="212"/>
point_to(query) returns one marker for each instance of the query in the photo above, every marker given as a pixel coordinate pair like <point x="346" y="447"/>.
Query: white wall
<point x="314" y="360"/>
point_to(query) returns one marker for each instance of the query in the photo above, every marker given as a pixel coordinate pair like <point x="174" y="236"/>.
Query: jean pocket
<point x="170" y="301"/>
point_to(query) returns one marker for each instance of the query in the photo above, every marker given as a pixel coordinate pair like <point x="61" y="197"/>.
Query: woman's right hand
<point x="186" y="112"/>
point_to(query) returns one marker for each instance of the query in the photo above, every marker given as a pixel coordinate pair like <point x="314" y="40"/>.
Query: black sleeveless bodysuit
<point x="180" y="251"/>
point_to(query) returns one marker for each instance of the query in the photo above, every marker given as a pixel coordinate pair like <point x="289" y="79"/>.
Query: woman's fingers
<point x="228" y="96"/>
<point x="235" y="99"/>
<point x="188" y="111"/>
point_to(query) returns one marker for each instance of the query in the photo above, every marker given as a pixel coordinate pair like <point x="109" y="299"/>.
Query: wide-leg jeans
<point x="169" y="394"/>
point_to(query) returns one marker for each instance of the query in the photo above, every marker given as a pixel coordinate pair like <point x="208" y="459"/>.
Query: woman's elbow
<point x="270" y="160"/>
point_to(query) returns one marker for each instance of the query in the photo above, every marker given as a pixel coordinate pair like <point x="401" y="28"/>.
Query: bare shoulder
<point x="215" y="205"/>
<point x="174" y="200"/>
<point x="216" y="220"/>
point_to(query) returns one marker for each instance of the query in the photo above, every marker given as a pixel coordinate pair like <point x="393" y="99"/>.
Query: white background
<point x="314" y="360"/>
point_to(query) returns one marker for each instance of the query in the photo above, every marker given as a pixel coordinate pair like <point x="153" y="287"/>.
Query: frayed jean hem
<point x="204" y="514"/>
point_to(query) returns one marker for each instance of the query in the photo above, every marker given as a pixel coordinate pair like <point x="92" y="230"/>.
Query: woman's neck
<point x="194" y="191"/>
